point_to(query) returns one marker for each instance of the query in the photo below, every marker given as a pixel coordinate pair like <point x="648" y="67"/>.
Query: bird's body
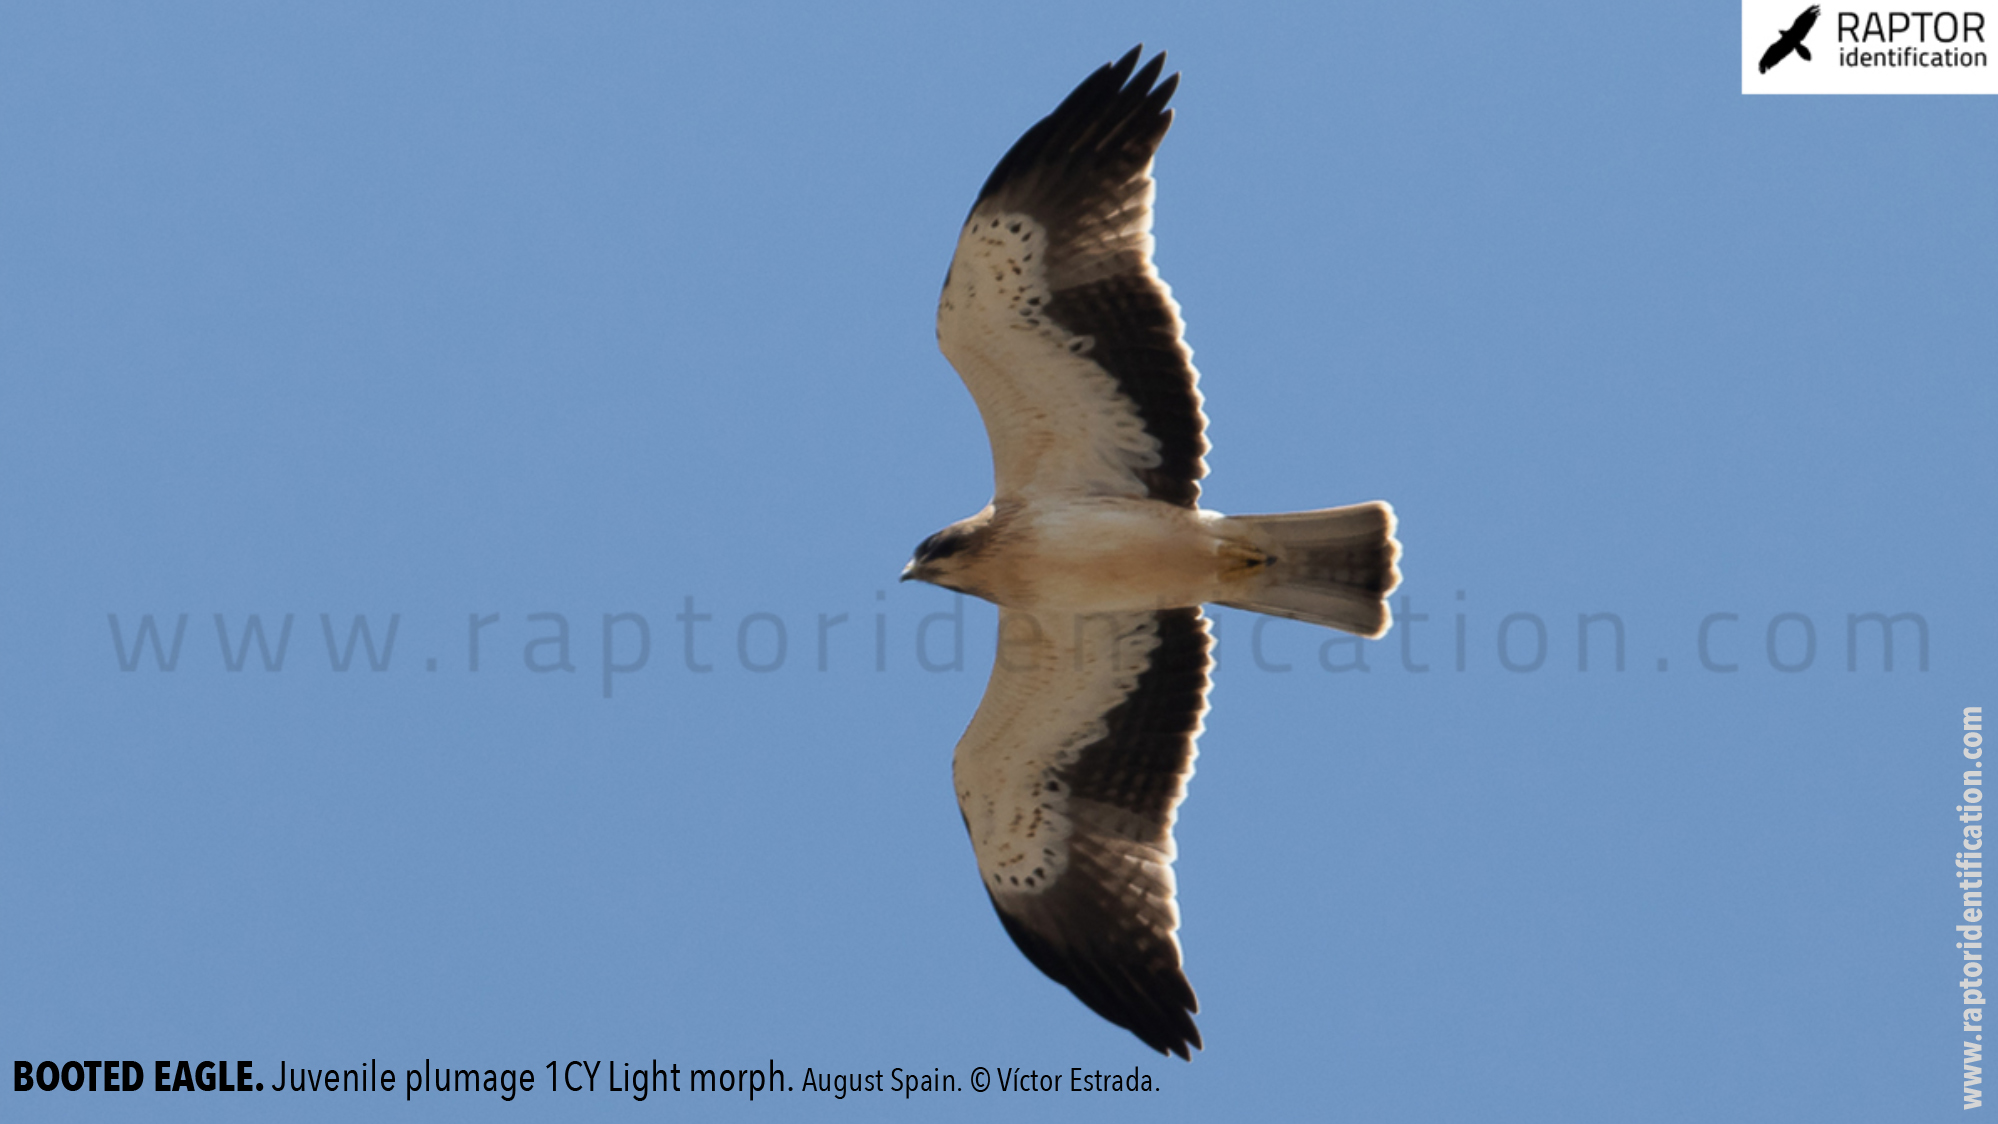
<point x="1080" y="554"/>
<point x="1098" y="553"/>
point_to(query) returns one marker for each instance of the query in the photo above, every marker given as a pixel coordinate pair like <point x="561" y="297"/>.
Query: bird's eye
<point x="939" y="545"/>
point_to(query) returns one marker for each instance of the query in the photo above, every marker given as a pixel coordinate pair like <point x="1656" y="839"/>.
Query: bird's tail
<point x="1333" y="567"/>
<point x="1803" y="52"/>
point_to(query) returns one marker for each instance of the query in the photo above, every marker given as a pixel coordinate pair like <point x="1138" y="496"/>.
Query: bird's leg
<point x="1241" y="561"/>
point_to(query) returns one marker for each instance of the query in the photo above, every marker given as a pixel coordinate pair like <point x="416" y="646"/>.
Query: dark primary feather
<point x="1083" y="172"/>
<point x="1105" y="936"/>
<point x="1108" y="125"/>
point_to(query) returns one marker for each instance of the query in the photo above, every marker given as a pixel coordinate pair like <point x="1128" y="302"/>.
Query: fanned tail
<point x="1334" y="567"/>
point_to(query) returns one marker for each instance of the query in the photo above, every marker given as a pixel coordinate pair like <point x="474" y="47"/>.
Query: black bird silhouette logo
<point x="1791" y="40"/>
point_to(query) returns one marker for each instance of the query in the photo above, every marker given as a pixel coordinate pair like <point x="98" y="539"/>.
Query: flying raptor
<point x="1791" y="40"/>
<point x="1099" y="556"/>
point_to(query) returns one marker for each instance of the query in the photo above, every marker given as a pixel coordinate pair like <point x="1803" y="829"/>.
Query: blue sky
<point x="435" y="313"/>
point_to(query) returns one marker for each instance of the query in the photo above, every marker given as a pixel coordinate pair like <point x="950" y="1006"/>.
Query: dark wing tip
<point x="1149" y="76"/>
<point x="1157" y="1006"/>
<point x="1113" y="111"/>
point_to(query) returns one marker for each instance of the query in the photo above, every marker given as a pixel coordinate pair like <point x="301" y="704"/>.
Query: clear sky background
<point x="433" y="312"/>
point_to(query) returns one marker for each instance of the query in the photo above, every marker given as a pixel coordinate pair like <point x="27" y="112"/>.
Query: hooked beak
<point x="908" y="571"/>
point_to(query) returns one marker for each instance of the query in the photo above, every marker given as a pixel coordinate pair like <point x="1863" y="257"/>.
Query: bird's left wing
<point x="1056" y="320"/>
<point x="1068" y="778"/>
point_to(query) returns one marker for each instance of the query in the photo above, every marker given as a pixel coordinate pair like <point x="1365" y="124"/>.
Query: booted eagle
<point x="1099" y="556"/>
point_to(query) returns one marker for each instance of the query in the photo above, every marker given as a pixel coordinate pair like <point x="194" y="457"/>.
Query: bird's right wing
<point x="1068" y="778"/>
<point x="1055" y="318"/>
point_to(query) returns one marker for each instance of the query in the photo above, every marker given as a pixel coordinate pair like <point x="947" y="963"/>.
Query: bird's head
<point x="939" y="557"/>
<point x="948" y="558"/>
